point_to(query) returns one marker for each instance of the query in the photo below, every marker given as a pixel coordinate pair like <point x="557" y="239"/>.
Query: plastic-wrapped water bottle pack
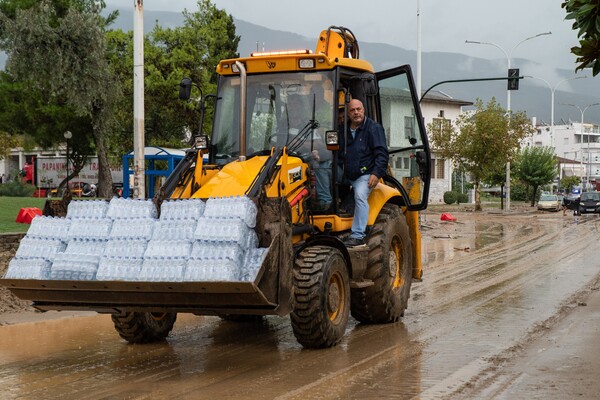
<point x="123" y="240"/>
<point x="120" y="207"/>
<point x="241" y="207"/>
<point x="181" y="209"/>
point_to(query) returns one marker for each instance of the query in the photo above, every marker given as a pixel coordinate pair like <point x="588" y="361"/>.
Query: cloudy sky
<point x="445" y="24"/>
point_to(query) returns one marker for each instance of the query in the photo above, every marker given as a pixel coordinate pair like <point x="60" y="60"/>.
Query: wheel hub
<point x="333" y="298"/>
<point x="393" y="264"/>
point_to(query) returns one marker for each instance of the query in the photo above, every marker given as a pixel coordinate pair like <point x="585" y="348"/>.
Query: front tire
<point x="322" y="297"/>
<point x="144" y="327"/>
<point x="389" y="266"/>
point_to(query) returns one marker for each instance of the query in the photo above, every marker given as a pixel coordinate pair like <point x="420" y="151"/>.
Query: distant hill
<point x="533" y="96"/>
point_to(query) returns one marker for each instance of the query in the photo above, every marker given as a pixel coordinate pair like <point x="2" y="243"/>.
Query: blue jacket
<point x="367" y="153"/>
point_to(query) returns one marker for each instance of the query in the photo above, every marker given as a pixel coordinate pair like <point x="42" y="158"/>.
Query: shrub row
<point x="452" y="197"/>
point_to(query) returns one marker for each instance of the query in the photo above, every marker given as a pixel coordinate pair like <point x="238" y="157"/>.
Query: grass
<point x="9" y="209"/>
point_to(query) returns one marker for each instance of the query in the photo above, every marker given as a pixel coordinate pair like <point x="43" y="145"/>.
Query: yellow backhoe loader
<point x="275" y="141"/>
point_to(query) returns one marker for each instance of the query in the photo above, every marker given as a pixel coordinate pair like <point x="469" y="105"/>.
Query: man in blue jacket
<point x="366" y="159"/>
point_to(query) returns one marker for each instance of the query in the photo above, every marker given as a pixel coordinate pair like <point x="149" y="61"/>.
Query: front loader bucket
<point x="269" y="292"/>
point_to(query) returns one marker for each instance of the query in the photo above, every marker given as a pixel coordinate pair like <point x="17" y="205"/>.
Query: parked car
<point x="589" y="203"/>
<point x="549" y="202"/>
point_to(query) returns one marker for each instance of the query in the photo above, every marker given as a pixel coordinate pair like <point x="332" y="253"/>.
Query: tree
<point x="537" y="166"/>
<point x="497" y="177"/>
<point x="481" y="141"/>
<point x="56" y="48"/>
<point x="192" y="50"/>
<point x="568" y="182"/>
<point x="585" y="15"/>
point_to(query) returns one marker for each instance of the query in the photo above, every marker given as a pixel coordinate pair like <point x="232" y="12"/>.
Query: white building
<point x="438" y="107"/>
<point x="577" y="147"/>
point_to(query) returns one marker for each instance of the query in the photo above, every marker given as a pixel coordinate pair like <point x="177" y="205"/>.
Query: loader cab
<point x="278" y="107"/>
<point x="281" y="105"/>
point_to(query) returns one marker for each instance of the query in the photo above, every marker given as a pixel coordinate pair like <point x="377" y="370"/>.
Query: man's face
<point x="356" y="112"/>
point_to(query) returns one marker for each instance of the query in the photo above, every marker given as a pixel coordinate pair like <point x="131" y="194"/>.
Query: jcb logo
<point x="271" y="64"/>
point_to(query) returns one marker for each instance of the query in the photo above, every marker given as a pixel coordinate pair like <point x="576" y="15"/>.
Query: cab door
<point x="399" y="112"/>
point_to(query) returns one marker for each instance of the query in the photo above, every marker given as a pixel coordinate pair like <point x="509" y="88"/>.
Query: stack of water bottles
<point x="87" y="236"/>
<point x="46" y="237"/>
<point x="225" y="244"/>
<point x="166" y="256"/>
<point x="132" y="227"/>
<point x="123" y="240"/>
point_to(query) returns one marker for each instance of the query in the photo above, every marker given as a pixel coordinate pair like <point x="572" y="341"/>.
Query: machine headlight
<point x="332" y="140"/>
<point x="201" y="142"/>
<point x="306" y="63"/>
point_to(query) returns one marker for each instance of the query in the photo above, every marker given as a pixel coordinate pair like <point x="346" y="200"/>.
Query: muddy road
<point x="493" y="285"/>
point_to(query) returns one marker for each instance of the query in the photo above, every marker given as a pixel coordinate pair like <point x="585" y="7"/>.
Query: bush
<point x="518" y="191"/>
<point x="462" y="198"/>
<point x="450" y="197"/>
<point x="17" y="189"/>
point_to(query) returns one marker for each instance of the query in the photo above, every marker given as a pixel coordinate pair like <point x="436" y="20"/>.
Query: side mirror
<point x="185" y="89"/>
<point x="369" y="85"/>
<point x="422" y="162"/>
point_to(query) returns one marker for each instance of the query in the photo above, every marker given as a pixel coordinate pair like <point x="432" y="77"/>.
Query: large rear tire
<point x="144" y="327"/>
<point x="322" y="297"/>
<point x="389" y="266"/>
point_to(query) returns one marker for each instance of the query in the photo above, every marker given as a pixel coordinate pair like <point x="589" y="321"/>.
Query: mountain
<point x="533" y="97"/>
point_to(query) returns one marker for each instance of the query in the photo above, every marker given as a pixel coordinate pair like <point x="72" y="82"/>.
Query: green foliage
<point x="65" y="71"/>
<point x="7" y="142"/>
<point x="16" y="189"/>
<point x="450" y="197"/>
<point x="461" y="198"/>
<point x="537" y="166"/>
<point x="518" y="191"/>
<point x="482" y="141"/>
<point x="586" y="21"/>
<point x="459" y="181"/>
<point x="568" y="182"/>
<point x="192" y="50"/>
<point x="57" y="55"/>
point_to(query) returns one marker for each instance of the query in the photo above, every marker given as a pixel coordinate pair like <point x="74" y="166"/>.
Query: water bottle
<point x="119" y="269"/>
<point x="34" y="268"/>
<point x="164" y="269"/>
<point x="210" y="271"/>
<point x="252" y="262"/>
<point x="182" y="209"/>
<point x="140" y="228"/>
<point x="182" y="229"/>
<point x="86" y="246"/>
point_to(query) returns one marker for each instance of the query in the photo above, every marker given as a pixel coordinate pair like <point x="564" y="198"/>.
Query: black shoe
<point x="354" y="242"/>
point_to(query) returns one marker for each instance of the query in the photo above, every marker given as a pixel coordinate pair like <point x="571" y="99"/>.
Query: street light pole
<point x="553" y="90"/>
<point x="508" y="57"/>
<point x="582" y="111"/>
<point x="68" y="135"/>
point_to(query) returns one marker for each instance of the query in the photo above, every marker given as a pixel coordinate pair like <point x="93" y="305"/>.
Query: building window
<point x="409" y="127"/>
<point x="442" y="123"/>
<point x="438" y="168"/>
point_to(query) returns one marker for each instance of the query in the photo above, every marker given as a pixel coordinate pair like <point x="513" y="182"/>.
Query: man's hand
<point x="315" y="155"/>
<point x="373" y="180"/>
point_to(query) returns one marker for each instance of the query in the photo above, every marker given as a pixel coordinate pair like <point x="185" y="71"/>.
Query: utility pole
<point x="139" y="184"/>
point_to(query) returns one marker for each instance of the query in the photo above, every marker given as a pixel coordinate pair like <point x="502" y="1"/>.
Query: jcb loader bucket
<point x="269" y="293"/>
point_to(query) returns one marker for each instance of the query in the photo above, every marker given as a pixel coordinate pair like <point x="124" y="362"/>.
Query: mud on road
<point x="499" y="291"/>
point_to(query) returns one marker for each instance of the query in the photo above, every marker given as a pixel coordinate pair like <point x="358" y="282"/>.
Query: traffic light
<point x="513" y="79"/>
